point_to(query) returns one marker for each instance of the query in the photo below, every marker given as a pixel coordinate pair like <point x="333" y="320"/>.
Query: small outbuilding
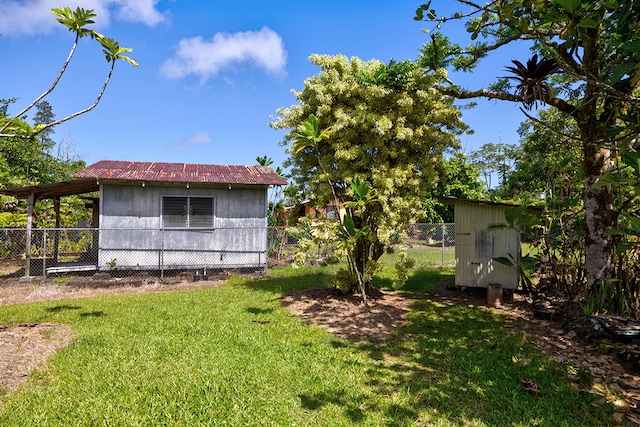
<point x="478" y="245"/>
<point x="159" y="216"/>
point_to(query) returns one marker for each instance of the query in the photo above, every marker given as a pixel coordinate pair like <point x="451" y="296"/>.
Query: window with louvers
<point x="187" y="212"/>
<point x="200" y="212"/>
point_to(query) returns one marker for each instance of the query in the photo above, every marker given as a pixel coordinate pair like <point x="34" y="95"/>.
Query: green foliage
<point x="599" y="301"/>
<point x="403" y="268"/>
<point x="76" y="21"/>
<point x="113" y="51"/>
<point x="12" y="219"/>
<point x="493" y="158"/>
<point x="459" y="178"/>
<point x="264" y="160"/>
<point x="112" y="264"/>
<point x="519" y="218"/>
<point x="316" y="241"/>
<point x="592" y="48"/>
<point x="364" y="128"/>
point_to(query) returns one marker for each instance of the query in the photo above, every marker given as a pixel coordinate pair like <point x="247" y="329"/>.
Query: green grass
<point x="234" y="356"/>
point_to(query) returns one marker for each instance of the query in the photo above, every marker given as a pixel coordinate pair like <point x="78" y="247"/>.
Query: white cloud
<point x="202" y="138"/>
<point x="195" y="56"/>
<point x="27" y="17"/>
<point x="143" y="11"/>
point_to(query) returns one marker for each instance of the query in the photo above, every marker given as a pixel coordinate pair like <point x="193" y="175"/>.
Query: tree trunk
<point x="599" y="215"/>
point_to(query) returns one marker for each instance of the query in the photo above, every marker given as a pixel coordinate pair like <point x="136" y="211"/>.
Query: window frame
<point x="187" y="212"/>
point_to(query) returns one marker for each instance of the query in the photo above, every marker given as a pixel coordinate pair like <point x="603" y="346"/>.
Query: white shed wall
<point x="476" y="246"/>
<point x="131" y="228"/>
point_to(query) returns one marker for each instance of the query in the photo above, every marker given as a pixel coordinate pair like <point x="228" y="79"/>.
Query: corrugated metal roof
<point x="181" y="172"/>
<point x="58" y="189"/>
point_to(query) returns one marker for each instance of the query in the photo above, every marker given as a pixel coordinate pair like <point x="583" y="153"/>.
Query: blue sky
<point x="211" y="72"/>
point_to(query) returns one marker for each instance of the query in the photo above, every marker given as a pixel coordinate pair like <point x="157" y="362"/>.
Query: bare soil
<point x="27" y="346"/>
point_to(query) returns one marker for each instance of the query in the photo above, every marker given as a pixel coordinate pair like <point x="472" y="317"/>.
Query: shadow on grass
<point x="452" y="365"/>
<point x="64" y="307"/>
<point x="93" y="314"/>
<point x="461" y="366"/>
<point x="283" y="284"/>
<point x="336" y="397"/>
<point x="257" y="310"/>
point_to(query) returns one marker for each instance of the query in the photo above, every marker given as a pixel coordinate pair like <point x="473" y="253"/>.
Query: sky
<point x="211" y="73"/>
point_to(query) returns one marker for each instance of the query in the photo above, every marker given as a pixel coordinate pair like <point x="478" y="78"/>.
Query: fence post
<point x="443" y="243"/>
<point x="44" y="254"/>
<point x="161" y="253"/>
<point x="27" y="266"/>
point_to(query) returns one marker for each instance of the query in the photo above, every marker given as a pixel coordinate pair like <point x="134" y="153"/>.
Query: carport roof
<point x="57" y="189"/>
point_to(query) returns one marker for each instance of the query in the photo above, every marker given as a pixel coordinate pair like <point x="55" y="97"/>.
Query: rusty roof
<point x="181" y="172"/>
<point x="57" y="189"/>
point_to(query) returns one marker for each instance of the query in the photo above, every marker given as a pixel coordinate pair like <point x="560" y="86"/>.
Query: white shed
<point x="477" y="245"/>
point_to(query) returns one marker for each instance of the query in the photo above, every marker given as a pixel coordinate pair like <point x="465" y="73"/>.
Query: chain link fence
<point x="160" y="252"/>
<point x="126" y="252"/>
<point x="436" y="240"/>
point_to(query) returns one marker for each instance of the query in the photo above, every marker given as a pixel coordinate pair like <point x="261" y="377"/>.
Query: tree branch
<point x="48" y="91"/>
<point x="86" y="110"/>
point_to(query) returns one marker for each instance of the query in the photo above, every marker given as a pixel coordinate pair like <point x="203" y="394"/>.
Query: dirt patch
<point x="344" y="315"/>
<point x="26" y="347"/>
<point x="14" y="291"/>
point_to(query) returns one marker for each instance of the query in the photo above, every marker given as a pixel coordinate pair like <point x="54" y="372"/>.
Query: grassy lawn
<point x="234" y="356"/>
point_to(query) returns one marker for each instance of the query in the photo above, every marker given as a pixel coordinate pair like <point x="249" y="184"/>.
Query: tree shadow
<point x="461" y="366"/>
<point x="285" y="284"/>
<point x="63" y="307"/>
<point x="93" y="314"/>
<point x="449" y="364"/>
<point x="316" y="401"/>
<point x="257" y="310"/>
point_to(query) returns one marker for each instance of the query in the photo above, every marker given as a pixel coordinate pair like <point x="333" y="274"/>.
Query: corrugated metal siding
<point x="476" y="246"/>
<point x="131" y="228"/>
<point x="181" y="173"/>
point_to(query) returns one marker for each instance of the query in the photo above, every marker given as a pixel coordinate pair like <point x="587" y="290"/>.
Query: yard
<point x="243" y="351"/>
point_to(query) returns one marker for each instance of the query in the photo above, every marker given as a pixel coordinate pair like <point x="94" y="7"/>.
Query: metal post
<point x="44" y="254"/>
<point x="443" y="244"/>
<point x="27" y="267"/>
<point x="161" y="254"/>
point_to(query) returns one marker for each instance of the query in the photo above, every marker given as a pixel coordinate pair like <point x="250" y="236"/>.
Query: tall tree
<point x="593" y="46"/>
<point x="458" y="178"/>
<point x="30" y="161"/>
<point x="550" y="159"/>
<point x="495" y="158"/>
<point x="44" y="114"/>
<point x="389" y="130"/>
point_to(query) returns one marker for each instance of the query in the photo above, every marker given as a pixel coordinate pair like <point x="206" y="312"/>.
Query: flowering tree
<point x="386" y="128"/>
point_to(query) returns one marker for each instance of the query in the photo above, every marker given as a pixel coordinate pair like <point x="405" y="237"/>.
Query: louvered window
<point x="187" y="212"/>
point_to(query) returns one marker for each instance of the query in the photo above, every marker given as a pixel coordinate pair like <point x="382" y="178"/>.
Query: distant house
<point x="159" y="216"/>
<point x="306" y="208"/>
